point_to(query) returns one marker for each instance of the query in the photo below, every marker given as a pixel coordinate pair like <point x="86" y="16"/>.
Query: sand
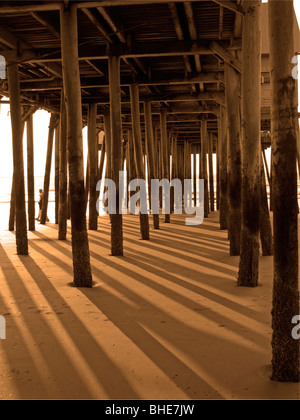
<point x="166" y="321"/>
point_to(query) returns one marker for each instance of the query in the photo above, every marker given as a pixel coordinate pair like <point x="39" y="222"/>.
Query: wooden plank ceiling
<point x="166" y="47"/>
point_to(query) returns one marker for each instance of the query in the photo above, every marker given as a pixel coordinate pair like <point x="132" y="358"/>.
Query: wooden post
<point x="222" y="123"/>
<point x="72" y="91"/>
<point x="138" y="151"/>
<point x="151" y="154"/>
<point x="264" y="216"/>
<point x="93" y="167"/>
<point x="211" y="173"/>
<point x="251" y="150"/>
<point x="195" y="175"/>
<point x="48" y="169"/>
<point x="63" y="173"/>
<point x="234" y="174"/>
<point x="218" y="172"/>
<point x="18" y="163"/>
<point x="285" y="362"/>
<point x="131" y="163"/>
<point x="116" y="150"/>
<point x="165" y="152"/>
<point x="30" y="174"/>
<point x="56" y="182"/>
<point x="204" y="164"/>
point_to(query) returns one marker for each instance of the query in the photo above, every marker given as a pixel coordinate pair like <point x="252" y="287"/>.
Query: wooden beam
<point x="234" y="173"/>
<point x="71" y="76"/>
<point x="226" y="56"/>
<point x="204" y="144"/>
<point x="96" y="82"/>
<point x="30" y="174"/>
<point x="48" y="169"/>
<point x="136" y="50"/>
<point x="234" y="7"/>
<point x="63" y="172"/>
<point x="285" y="347"/>
<point x="138" y="152"/>
<point x="251" y="147"/>
<point x="93" y="166"/>
<point x="151" y="153"/>
<point x="222" y="132"/>
<point x="116" y="151"/>
<point x="18" y="163"/>
<point x="165" y="153"/>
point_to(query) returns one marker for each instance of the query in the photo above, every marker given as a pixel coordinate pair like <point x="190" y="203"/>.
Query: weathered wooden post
<point x="48" y="169"/>
<point x="165" y="152"/>
<point x="138" y="151"/>
<point x="234" y="173"/>
<point x="195" y="175"/>
<point x="218" y="172"/>
<point x="30" y="174"/>
<point x="151" y="153"/>
<point x="211" y="173"/>
<point x="72" y="91"/>
<point x="204" y="164"/>
<point x="116" y="151"/>
<point x="265" y="229"/>
<point x="222" y="127"/>
<point x="63" y="172"/>
<point x="56" y="180"/>
<point x="285" y="362"/>
<point x="251" y="150"/>
<point x="93" y="167"/>
<point x="18" y="163"/>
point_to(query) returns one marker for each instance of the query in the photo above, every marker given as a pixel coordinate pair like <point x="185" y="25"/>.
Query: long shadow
<point x="149" y="268"/>
<point x="110" y="377"/>
<point x="209" y="313"/>
<point x="16" y="350"/>
<point x="177" y="268"/>
<point x="154" y="330"/>
<point x="40" y="331"/>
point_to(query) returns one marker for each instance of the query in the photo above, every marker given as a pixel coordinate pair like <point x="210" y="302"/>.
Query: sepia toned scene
<point x="149" y="202"/>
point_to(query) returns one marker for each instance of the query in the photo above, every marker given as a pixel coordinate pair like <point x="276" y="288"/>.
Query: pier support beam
<point x="251" y="149"/>
<point x="165" y="152"/>
<point x="93" y="166"/>
<point x="151" y="154"/>
<point x="30" y="174"/>
<point x="138" y="151"/>
<point x="211" y="174"/>
<point x="48" y="169"/>
<point x="222" y="124"/>
<point x="204" y="139"/>
<point x="234" y="174"/>
<point x="18" y="163"/>
<point x="72" y="91"/>
<point x="285" y="348"/>
<point x="63" y="173"/>
<point x="56" y="182"/>
<point x="116" y="150"/>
